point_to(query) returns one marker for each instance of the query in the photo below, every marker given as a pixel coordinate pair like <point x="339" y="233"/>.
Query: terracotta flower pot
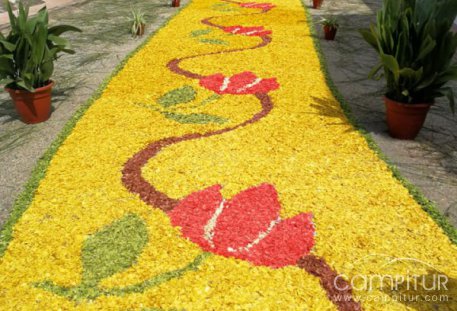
<point x="33" y="107"/>
<point x="317" y="4"/>
<point x="330" y="32"/>
<point x="175" y="3"/>
<point x="140" y="30"/>
<point x="405" y="120"/>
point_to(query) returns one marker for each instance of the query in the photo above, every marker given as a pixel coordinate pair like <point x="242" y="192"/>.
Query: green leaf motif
<point x="194" y="118"/>
<point x="87" y="292"/>
<point x="214" y="41"/>
<point x="113" y="249"/>
<point x="210" y="99"/>
<point x="200" y="32"/>
<point x="177" y="96"/>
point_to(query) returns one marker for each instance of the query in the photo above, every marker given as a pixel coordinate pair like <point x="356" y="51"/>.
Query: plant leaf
<point x="391" y="63"/>
<point x="25" y="85"/>
<point x="177" y="96"/>
<point x="411" y="77"/>
<point x="60" y="29"/>
<point x="8" y="45"/>
<point x="449" y="75"/>
<point x="369" y="37"/>
<point x="426" y="48"/>
<point x="58" y="40"/>
<point x="113" y="249"/>
<point x="374" y="71"/>
<point x="12" y="17"/>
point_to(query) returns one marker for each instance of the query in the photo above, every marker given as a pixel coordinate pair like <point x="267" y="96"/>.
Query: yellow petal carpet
<point x="93" y="240"/>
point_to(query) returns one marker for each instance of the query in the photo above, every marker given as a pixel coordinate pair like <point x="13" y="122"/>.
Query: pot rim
<point x="37" y="90"/>
<point x="421" y="105"/>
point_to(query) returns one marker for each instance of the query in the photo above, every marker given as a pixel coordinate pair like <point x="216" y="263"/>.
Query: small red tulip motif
<point x="258" y="31"/>
<point x="254" y="5"/>
<point x="239" y="84"/>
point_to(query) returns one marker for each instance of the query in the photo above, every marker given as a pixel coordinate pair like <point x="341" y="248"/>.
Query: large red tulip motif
<point x="247" y="226"/>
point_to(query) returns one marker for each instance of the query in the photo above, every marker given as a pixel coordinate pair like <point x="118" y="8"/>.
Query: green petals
<point x="177" y="96"/>
<point x="200" y="32"/>
<point x="113" y="249"/>
<point x="214" y="41"/>
<point x="194" y="118"/>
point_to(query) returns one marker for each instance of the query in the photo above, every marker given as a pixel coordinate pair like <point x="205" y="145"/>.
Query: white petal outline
<point x="211" y="224"/>
<point x="248" y="86"/>
<point x="262" y="235"/>
<point x="225" y="84"/>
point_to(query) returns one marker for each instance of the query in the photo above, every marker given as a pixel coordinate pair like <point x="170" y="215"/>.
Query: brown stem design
<point x="338" y="290"/>
<point x="133" y="180"/>
<point x="131" y="174"/>
<point x="174" y="64"/>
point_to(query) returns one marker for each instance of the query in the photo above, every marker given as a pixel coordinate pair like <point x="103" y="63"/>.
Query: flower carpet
<point x="217" y="171"/>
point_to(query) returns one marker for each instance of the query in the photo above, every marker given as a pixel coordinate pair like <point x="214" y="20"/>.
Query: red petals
<point x="289" y="240"/>
<point x="245" y="215"/>
<point x="246" y="227"/>
<point x="258" y="31"/>
<point x="194" y="211"/>
<point x="254" y="5"/>
<point x="242" y="83"/>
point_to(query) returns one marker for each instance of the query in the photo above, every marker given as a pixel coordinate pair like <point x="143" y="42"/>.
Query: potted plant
<point x="138" y="22"/>
<point x="330" y="25"/>
<point x="415" y="44"/>
<point x="27" y="56"/>
<point x="175" y="3"/>
<point x="317" y="4"/>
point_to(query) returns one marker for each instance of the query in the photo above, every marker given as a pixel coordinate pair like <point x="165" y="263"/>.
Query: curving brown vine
<point x="338" y="290"/>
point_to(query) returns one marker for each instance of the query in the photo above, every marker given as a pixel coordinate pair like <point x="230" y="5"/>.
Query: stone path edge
<point x="427" y="205"/>
<point x="26" y="196"/>
<point x="50" y="4"/>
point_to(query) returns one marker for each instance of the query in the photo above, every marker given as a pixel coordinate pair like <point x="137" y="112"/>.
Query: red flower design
<point x="242" y="83"/>
<point x="258" y="31"/>
<point x="246" y="227"/>
<point x="254" y="5"/>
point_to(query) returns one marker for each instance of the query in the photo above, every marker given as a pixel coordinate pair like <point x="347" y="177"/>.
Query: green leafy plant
<point x="415" y="43"/>
<point x="28" y="52"/>
<point x="330" y="21"/>
<point x="137" y="22"/>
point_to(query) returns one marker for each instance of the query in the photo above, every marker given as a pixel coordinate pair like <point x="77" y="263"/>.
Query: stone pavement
<point x="34" y="6"/>
<point x="429" y="162"/>
<point x="105" y="41"/>
<point x="15" y="4"/>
